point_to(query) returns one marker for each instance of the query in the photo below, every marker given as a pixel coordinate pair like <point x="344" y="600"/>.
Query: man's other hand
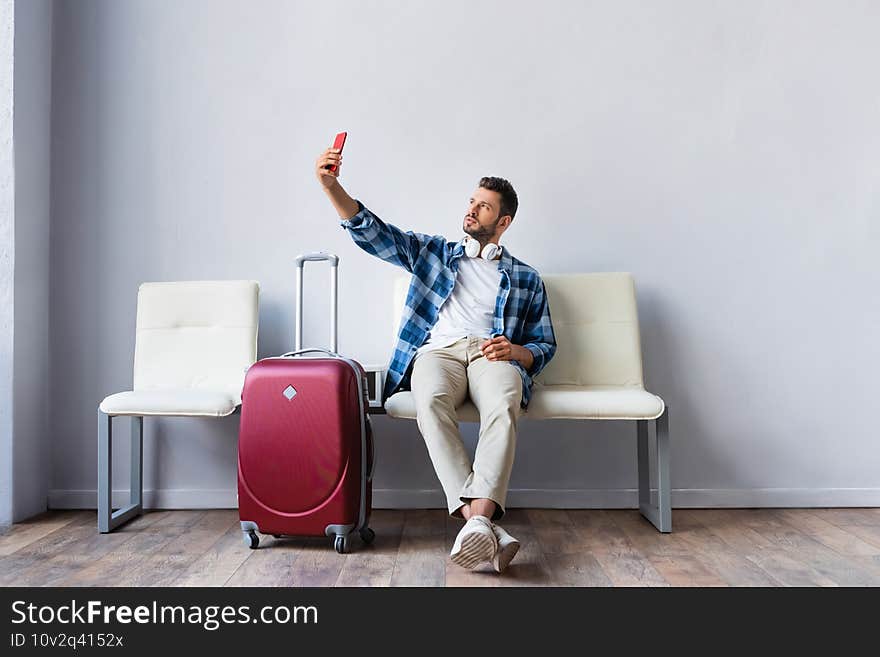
<point x="500" y="348"/>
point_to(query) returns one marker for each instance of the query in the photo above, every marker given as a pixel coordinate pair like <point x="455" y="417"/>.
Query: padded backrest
<point x="597" y="330"/>
<point x="596" y="324"/>
<point x="196" y="334"/>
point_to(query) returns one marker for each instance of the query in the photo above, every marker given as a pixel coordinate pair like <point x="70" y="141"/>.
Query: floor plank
<point x="421" y="557"/>
<point x="373" y="565"/>
<point x="868" y="516"/>
<point x="271" y="565"/>
<point x="868" y="533"/>
<point x="135" y="561"/>
<point x="55" y="559"/>
<point x="788" y="570"/>
<point x="553" y="530"/>
<point x="729" y="526"/>
<point x="218" y="562"/>
<point x="317" y="563"/>
<point x="577" y="570"/>
<point x="837" y="538"/>
<point x="813" y="555"/>
<point x="360" y="569"/>
<point x="669" y="554"/>
<point x="23" y="534"/>
<point x="731" y="566"/>
<point x="622" y="563"/>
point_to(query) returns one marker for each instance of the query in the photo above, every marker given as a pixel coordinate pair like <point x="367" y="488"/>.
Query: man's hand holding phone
<point x="327" y="168"/>
<point x="332" y="157"/>
<point x="328" y="164"/>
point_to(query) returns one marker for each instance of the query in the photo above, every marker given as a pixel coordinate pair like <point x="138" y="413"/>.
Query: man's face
<point x="482" y="221"/>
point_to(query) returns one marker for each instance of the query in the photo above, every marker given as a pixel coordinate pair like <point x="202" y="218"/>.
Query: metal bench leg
<point x="108" y="520"/>
<point x="105" y="471"/>
<point x="136" y="497"/>
<point x="660" y="515"/>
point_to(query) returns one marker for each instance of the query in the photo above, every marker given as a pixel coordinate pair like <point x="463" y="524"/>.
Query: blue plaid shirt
<point x="522" y="313"/>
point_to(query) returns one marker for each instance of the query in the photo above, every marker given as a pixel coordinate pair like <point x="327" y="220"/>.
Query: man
<point x="476" y="323"/>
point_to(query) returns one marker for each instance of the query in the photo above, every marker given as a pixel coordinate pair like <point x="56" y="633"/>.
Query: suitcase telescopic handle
<point x="310" y="349"/>
<point x="317" y="256"/>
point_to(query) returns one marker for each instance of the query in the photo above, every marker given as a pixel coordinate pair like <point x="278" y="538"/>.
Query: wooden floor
<point x="719" y="547"/>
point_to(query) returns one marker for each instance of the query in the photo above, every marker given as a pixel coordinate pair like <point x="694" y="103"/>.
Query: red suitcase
<point x="305" y="450"/>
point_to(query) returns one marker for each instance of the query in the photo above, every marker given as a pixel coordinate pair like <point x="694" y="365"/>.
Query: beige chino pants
<point x="441" y="380"/>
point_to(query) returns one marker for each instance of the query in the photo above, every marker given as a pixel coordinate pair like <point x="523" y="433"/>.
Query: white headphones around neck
<point x="472" y="249"/>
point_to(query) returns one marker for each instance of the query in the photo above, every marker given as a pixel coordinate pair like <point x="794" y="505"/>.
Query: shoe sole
<point x="505" y="556"/>
<point x="476" y="548"/>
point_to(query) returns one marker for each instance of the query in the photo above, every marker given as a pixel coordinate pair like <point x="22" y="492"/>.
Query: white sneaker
<point x="508" y="546"/>
<point x="475" y="543"/>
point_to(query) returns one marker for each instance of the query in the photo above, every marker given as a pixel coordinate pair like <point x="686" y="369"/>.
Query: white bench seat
<point x="559" y="402"/>
<point x="167" y="402"/>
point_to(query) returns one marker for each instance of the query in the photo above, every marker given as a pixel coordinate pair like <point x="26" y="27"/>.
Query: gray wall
<point x="25" y="189"/>
<point x="7" y="256"/>
<point x="33" y="383"/>
<point x="724" y="153"/>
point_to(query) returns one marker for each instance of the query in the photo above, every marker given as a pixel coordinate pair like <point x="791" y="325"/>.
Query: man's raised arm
<point x="370" y="233"/>
<point x="345" y="205"/>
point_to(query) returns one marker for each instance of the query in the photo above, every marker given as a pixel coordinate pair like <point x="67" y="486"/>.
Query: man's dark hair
<point x="509" y="201"/>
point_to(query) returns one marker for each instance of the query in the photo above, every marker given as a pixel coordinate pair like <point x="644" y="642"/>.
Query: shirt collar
<point x="506" y="263"/>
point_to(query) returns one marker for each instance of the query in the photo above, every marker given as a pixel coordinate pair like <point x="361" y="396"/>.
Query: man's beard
<point x="479" y="232"/>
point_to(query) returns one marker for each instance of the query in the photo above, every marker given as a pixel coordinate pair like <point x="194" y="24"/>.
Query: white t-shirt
<point x="470" y="309"/>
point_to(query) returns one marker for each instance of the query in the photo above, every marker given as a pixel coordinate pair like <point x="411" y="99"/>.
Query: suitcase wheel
<point x="367" y="535"/>
<point x="341" y="544"/>
<point x="252" y="540"/>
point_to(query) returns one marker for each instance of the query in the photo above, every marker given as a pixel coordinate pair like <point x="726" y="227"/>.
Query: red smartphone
<point x="338" y="143"/>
